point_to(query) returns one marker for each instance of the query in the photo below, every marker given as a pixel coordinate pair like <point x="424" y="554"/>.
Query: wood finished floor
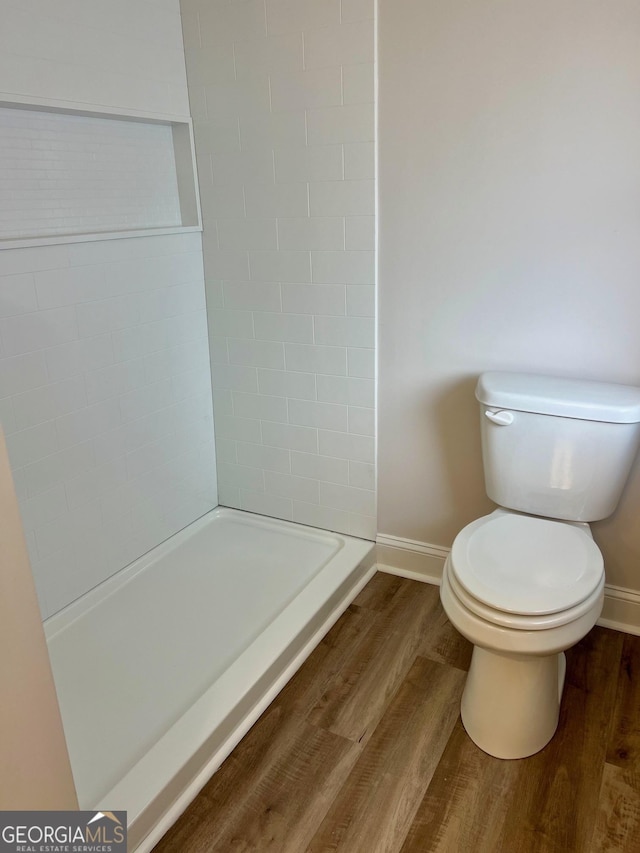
<point x="364" y="751"/>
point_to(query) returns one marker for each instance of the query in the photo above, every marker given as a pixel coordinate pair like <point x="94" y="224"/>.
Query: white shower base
<point x="164" y="667"/>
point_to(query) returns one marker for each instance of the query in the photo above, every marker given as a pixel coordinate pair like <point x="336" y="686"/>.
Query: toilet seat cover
<point x="525" y="565"/>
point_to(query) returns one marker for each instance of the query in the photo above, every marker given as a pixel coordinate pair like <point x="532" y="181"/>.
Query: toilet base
<point x="511" y="702"/>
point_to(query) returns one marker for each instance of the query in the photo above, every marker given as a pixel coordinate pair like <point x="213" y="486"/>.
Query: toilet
<point x="526" y="582"/>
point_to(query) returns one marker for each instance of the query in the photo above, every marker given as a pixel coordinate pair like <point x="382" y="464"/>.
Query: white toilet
<point x="527" y="581"/>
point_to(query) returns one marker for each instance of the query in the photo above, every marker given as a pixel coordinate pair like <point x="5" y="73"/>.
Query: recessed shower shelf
<point x="72" y="174"/>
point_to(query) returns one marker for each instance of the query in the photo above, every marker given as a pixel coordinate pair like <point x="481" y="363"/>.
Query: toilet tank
<point x="559" y="448"/>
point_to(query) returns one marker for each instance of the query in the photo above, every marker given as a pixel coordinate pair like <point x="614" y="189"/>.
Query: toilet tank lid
<point x="554" y="395"/>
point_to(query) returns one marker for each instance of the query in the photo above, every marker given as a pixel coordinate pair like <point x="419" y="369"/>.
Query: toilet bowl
<point x="522" y="589"/>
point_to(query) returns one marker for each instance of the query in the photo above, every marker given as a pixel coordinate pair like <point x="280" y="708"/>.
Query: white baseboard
<point x="423" y="562"/>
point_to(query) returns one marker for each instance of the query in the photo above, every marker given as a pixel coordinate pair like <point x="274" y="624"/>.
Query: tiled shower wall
<point x="104" y="369"/>
<point x="105" y="401"/>
<point x="282" y="93"/>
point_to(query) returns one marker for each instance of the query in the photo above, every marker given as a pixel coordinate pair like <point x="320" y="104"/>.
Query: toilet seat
<point x="509" y="565"/>
<point x="518" y="622"/>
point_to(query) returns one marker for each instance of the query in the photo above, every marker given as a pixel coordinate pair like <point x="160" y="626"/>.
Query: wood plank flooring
<point x="364" y="752"/>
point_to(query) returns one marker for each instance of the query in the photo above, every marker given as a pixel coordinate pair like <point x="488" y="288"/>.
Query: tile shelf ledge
<point x="92" y="237"/>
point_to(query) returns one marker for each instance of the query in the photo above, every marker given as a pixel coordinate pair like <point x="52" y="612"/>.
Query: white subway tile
<point x="256" y="353"/>
<point x="263" y="200"/>
<point x="360" y="232"/>
<point x="274" y="130"/>
<point x="344" y="331"/>
<point x="220" y="23"/>
<point x="291" y="16"/>
<point x="314" y="299"/>
<point x="358" y="448"/>
<point x="227" y="100"/>
<point x="226" y="265"/>
<point x="363" y="526"/>
<point x="56" y="288"/>
<point x="260" y="406"/>
<point x="271" y="505"/>
<point x="218" y="352"/>
<point x="31" y="444"/>
<point x="260" y="55"/>
<point x="7" y="418"/>
<point x="287" y="384"/>
<point x="343" y="267"/>
<point x="224" y="322"/>
<point x="302" y="90"/>
<point x="166" y="302"/>
<point x="254" y="296"/>
<point x="341" y="389"/>
<point x="342" y="198"/>
<point x="114" y="380"/>
<point x="87" y="422"/>
<point x="44" y="508"/>
<point x="214" y="297"/>
<point x="349" y="42"/>
<point x="219" y="200"/>
<point x="38" y="330"/>
<point x="353" y="123"/>
<point x="18" y="261"/>
<point x="359" y="161"/>
<point x="294" y="328"/>
<point x="77" y="356"/>
<point x="362" y="475"/>
<point x="361" y="300"/>
<point x="138" y="341"/>
<point x="358" y="83"/>
<point x="260" y="456"/>
<point x="289" y="437"/>
<point x="17" y="295"/>
<point x="320" y="516"/>
<point x="362" y="420"/>
<point x="240" y="477"/>
<point x="295" y="165"/>
<point x="317" y="467"/>
<point x="22" y="373"/>
<point x="226" y="451"/>
<point x="234" y="376"/>
<point x="240" y="167"/>
<point x="361" y="501"/>
<point x="223" y="401"/>
<point x="48" y="402"/>
<point x="315" y="414"/>
<point x="92" y="484"/>
<point x="217" y="137"/>
<point x="361" y="363"/>
<point x="239" y="429"/>
<point x="106" y="315"/>
<point x="245" y="234"/>
<point x="311" y="233"/>
<point x="146" y="400"/>
<point x="290" y="486"/>
<point x="280" y="266"/>
<point x="316" y="359"/>
<point x="58" y="468"/>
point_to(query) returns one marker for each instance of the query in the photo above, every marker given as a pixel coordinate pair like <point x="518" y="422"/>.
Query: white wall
<point x="509" y="139"/>
<point x="283" y="99"/>
<point x="104" y="370"/>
